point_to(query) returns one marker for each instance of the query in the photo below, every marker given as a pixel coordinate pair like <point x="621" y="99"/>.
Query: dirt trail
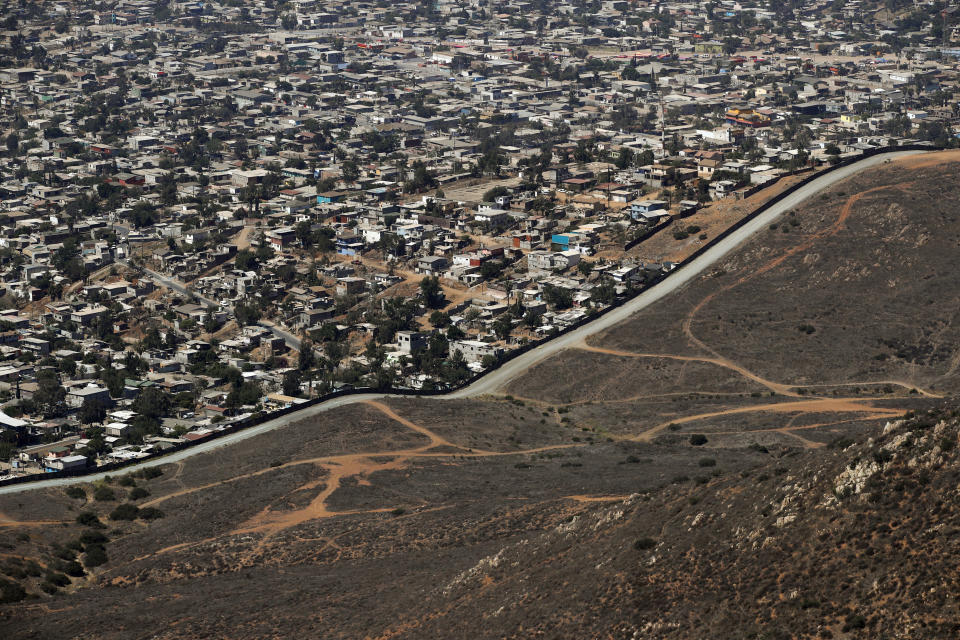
<point x="802" y="427"/>
<point x="10" y="523"/>
<point x="271" y="522"/>
<point x="819" y="405"/>
<point x="243" y="238"/>
<point x="435" y="440"/>
<point x="720" y="361"/>
<point x="589" y="499"/>
<point x="926" y="393"/>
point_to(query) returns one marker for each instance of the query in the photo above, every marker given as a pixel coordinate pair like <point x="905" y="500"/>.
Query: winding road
<point x="498" y="378"/>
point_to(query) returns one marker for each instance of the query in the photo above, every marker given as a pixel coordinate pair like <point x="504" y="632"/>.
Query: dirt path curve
<point x="270" y="521"/>
<point x="8" y="522"/>
<point x="435" y="440"/>
<point x="779" y="387"/>
<point x="719" y="361"/>
<point x="819" y="405"/>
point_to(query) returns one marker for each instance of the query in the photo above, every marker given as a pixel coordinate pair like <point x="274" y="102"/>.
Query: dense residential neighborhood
<point x="213" y="210"/>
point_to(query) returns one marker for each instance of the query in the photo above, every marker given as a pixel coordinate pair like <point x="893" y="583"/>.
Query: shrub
<point x="127" y="481"/>
<point x="71" y="568"/>
<point x="644" y="543"/>
<point x="698" y="439"/>
<point x="32" y="569"/>
<point x="93" y="537"/>
<point x="57" y="578"/>
<point x="77" y="493"/>
<point x="148" y="474"/>
<point x="707" y="462"/>
<point x="95" y="556"/>
<point x="103" y="494"/>
<point x="854" y="622"/>
<point x="139" y="492"/>
<point x="64" y="553"/>
<point x="882" y="456"/>
<point x="48" y="587"/>
<point x="125" y="511"/>
<point x="11" y="569"/>
<point x="89" y="519"/>
<point x="150" y="513"/>
<point x="11" y="592"/>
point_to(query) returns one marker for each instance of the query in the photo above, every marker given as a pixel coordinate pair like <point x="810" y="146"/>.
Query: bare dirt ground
<point x="474" y="192"/>
<point x="712" y="220"/>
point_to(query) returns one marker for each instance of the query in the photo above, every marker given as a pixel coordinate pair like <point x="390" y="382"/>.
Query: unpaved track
<point x="783" y="389"/>
<point x="496" y="379"/>
<point x="819" y="406"/>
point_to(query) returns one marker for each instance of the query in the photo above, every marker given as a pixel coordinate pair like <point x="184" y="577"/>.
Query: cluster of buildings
<point x="210" y="209"/>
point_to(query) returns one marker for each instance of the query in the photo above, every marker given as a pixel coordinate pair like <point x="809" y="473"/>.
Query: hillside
<point x="733" y="462"/>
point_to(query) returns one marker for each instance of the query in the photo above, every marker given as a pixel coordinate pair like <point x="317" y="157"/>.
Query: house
<point x="191" y="311"/>
<point x="648" y="209"/>
<point x="550" y="260"/>
<point x="65" y="463"/>
<point x="87" y="316"/>
<point x="281" y="237"/>
<point x="116" y="429"/>
<point x="432" y="265"/>
<point x="474" y="350"/>
<point x="36" y="346"/>
<point x="411" y="341"/>
<point x="330" y="196"/>
<point x="350" y="286"/>
<point x="78" y="395"/>
<point x="248" y="178"/>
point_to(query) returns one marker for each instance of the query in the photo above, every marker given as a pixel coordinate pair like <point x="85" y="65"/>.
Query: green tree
<point x="291" y="383"/>
<point x="248" y="393"/>
<point x="247" y="314"/>
<point x="431" y="292"/>
<point x="50" y="395"/>
<point x="304" y="233"/>
<point x="91" y="411"/>
<point x="502" y="327"/>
